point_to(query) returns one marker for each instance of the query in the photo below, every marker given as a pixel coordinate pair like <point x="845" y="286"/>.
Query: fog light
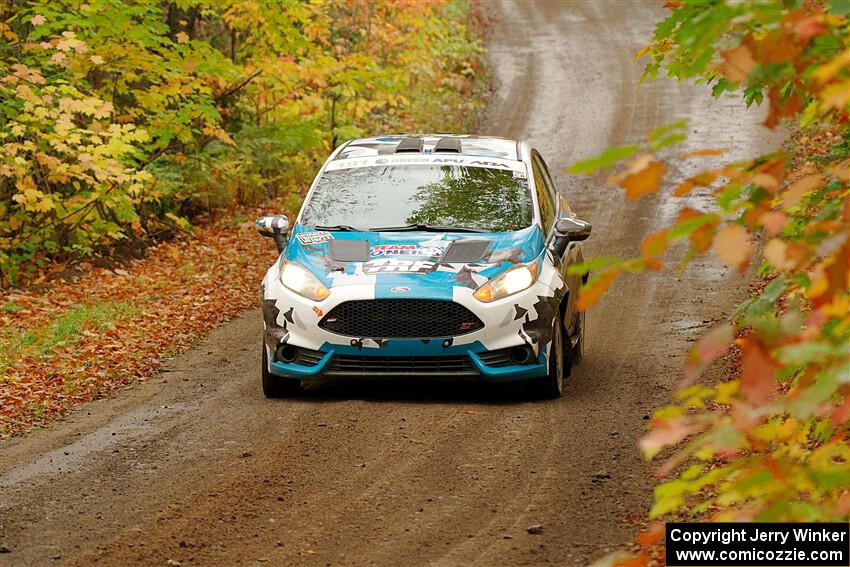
<point x="286" y="353"/>
<point x="521" y="355"/>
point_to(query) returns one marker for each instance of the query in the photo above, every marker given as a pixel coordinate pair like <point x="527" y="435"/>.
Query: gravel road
<point x="195" y="467"/>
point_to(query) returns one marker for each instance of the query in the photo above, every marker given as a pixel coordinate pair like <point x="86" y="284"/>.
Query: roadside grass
<point x="65" y="331"/>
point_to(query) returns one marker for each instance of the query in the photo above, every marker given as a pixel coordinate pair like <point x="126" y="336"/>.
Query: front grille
<point x="345" y="364"/>
<point x="400" y="318"/>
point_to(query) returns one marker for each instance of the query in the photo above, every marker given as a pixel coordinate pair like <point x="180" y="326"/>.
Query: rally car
<point x="428" y="256"/>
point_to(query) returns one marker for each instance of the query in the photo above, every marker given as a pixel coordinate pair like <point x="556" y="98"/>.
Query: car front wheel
<point x="551" y="386"/>
<point x="278" y="386"/>
<point x="577" y="349"/>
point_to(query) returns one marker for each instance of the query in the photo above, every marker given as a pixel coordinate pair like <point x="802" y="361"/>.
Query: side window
<point x="544" y="197"/>
<point x="558" y="198"/>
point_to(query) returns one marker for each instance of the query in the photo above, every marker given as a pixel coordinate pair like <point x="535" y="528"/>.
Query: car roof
<point x="468" y="145"/>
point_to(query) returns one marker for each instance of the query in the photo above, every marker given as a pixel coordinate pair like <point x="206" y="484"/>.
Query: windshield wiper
<point x="338" y="228"/>
<point x="426" y="228"/>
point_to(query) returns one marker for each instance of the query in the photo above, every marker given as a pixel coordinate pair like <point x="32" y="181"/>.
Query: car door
<point x="560" y="208"/>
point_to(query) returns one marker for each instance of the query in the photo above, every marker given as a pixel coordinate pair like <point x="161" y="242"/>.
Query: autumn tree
<point x="771" y="442"/>
<point x="120" y="118"/>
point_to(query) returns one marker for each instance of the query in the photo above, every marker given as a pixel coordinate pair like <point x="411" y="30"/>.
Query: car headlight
<point x="302" y="282"/>
<point x="511" y="281"/>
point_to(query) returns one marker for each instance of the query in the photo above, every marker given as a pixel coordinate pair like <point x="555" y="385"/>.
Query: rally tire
<point x="278" y="386"/>
<point x="551" y="386"/>
<point x="580" y="329"/>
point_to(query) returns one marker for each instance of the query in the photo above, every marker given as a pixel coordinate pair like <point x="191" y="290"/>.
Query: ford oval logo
<point x="400" y="289"/>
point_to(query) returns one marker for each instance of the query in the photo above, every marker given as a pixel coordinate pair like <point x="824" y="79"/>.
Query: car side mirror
<point x="570" y="229"/>
<point x="573" y="228"/>
<point x="276" y="227"/>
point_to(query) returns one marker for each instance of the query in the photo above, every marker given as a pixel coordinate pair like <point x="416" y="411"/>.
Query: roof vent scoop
<point x="448" y="145"/>
<point x="410" y="145"/>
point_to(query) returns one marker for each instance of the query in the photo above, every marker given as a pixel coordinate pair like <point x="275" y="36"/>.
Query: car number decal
<point x="315" y="237"/>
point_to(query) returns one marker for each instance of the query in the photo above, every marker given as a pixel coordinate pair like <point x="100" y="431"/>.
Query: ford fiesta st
<point x="425" y="256"/>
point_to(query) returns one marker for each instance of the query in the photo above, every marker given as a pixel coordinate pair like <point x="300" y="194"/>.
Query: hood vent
<point x="466" y="251"/>
<point x="349" y="250"/>
<point x="410" y="145"/>
<point x="448" y="145"/>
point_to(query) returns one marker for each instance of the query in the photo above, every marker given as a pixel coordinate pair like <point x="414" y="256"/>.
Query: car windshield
<point x="378" y="196"/>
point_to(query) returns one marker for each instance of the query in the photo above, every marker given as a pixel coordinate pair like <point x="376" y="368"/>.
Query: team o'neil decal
<point x="315" y="237"/>
<point x="405" y="250"/>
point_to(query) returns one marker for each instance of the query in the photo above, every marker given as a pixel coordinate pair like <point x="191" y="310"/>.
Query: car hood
<point x="414" y="263"/>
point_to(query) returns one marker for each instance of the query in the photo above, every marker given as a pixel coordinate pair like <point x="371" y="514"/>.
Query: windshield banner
<point x="428" y="159"/>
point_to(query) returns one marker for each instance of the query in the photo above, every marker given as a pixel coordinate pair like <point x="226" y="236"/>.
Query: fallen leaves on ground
<point x="154" y="309"/>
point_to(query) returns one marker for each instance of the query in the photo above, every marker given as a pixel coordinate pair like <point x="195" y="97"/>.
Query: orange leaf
<point x="652" y="536"/>
<point x="643" y="182"/>
<point x="757" y="370"/>
<point x="752" y="217"/>
<point x="593" y="290"/>
<point x="636" y="561"/>
<point x="687" y="214"/>
<point x="701" y="179"/>
<point x="733" y="246"/>
<point x="811" y="27"/>
<point x="737" y="64"/>
<point x="702" y="237"/>
<point x="781" y="107"/>
<point x="773" y="222"/>
<point x="797" y="190"/>
<point x="765" y="181"/>
<point x="705" y="152"/>
<point x="714" y="343"/>
<point x="666" y="432"/>
<point x="778" y="46"/>
<point x="841" y="414"/>
<point x="783" y="255"/>
<point x="841" y="170"/>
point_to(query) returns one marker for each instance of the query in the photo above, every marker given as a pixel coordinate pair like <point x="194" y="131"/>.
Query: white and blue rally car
<point x="425" y="256"/>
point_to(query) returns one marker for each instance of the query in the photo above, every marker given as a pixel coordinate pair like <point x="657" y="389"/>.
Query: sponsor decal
<point x="393" y="266"/>
<point x="399" y="289"/>
<point x="315" y="237"/>
<point x="427" y="159"/>
<point x="405" y="250"/>
<point x="317" y="311"/>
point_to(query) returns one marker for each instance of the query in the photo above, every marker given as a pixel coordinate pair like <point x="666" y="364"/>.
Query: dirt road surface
<point x="195" y="467"/>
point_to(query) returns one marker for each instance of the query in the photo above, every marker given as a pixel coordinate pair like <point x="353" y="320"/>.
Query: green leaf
<point x="686" y="228"/>
<point x="666" y="141"/>
<point x="604" y="160"/>
<point x="806" y="353"/>
<point x="666" y="129"/>
<point x="839" y="7"/>
<point x="593" y="264"/>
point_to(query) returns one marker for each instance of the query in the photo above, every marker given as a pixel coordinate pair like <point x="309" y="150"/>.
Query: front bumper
<point x="411" y="358"/>
<point x="524" y="320"/>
